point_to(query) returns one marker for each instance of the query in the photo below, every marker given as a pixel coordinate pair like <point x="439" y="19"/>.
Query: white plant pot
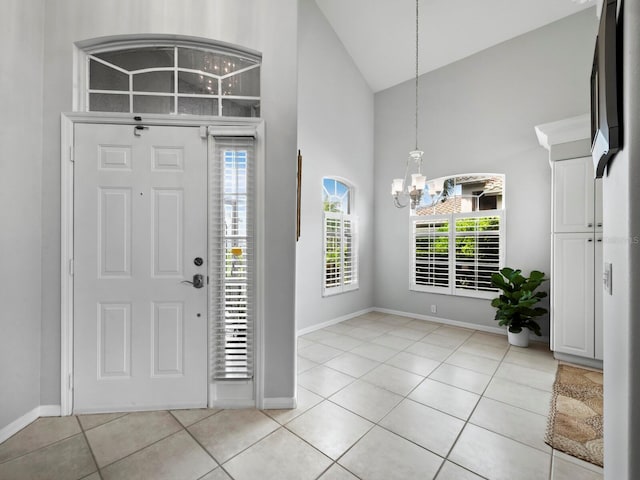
<point x="519" y="339"/>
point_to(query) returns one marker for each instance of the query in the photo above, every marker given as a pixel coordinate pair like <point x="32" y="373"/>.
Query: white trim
<point x="260" y="276"/>
<point x="333" y="321"/>
<point x="578" y="360"/>
<point x="49" y="410"/>
<point x="68" y="120"/>
<point x="280" y="403"/>
<point x="19" y="423"/>
<point x="28" y="418"/>
<point x="66" y="264"/>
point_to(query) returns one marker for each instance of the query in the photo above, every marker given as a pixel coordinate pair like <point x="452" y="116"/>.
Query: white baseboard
<point x="577" y="360"/>
<point x="457" y="323"/>
<point x="29" y="417"/>
<point x="446" y="321"/>
<point x="279" y="403"/>
<point x="50" y="410"/>
<point x="333" y="321"/>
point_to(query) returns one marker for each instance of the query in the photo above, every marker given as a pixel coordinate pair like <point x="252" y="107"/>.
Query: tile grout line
<point x="84" y="435"/>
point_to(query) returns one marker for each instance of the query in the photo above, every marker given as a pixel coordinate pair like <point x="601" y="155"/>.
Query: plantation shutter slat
<point x="232" y="260"/>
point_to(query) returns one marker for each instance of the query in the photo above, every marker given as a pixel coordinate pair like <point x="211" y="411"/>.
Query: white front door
<point x="140" y="232"/>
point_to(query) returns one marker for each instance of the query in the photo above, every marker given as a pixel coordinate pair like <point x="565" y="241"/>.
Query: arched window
<point x="457" y="234"/>
<point x="172" y="78"/>
<point x="340" y="241"/>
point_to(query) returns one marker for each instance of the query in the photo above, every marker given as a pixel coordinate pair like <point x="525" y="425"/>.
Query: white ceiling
<point x="380" y="34"/>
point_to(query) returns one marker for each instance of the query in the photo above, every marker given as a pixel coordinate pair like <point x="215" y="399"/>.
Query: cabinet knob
<point x="589" y="225"/>
<point x="599" y="224"/>
<point x="590" y="240"/>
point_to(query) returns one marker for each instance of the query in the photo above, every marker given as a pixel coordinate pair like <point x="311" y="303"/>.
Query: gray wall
<point x="621" y="186"/>
<point x="477" y="115"/>
<point x="20" y="216"/>
<point x="335" y="134"/>
<point x="268" y="27"/>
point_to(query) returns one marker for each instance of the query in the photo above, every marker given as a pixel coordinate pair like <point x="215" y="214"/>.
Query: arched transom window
<point x="174" y="79"/>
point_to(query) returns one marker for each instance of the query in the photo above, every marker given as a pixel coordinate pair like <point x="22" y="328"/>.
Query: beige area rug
<point x="575" y="419"/>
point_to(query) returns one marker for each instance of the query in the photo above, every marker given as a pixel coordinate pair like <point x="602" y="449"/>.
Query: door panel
<point x="140" y="331"/>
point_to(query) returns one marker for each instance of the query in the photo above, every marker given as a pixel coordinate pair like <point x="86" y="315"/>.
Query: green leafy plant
<point x="515" y="305"/>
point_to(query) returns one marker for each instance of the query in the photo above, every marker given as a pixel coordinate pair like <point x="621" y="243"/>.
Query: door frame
<point x="231" y="126"/>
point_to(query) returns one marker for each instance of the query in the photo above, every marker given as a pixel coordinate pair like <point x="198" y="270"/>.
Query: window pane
<point x="196" y="83"/>
<point x="140" y="58"/>
<point x="102" y="77"/>
<point x="152" y="104"/>
<point x="197" y="106"/>
<point x="211" y="62"/>
<point x="462" y="193"/>
<point x="240" y="108"/>
<point x="153" y="82"/>
<point x="107" y="102"/>
<point x="246" y="84"/>
<point x="335" y="196"/>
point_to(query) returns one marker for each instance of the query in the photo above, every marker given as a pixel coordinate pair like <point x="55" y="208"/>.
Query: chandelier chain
<point x="417" y="60"/>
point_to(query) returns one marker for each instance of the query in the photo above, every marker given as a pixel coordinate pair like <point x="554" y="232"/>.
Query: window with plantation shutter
<point x="340" y="253"/>
<point x="232" y="259"/>
<point x="340" y="241"/>
<point x="457" y="235"/>
<point x="457" y="253"/>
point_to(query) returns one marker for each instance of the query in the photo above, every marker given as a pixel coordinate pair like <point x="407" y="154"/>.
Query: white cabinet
<point x="573" y="306"/>
<point x="573" y="196"/>
<point x="576" y="273"/>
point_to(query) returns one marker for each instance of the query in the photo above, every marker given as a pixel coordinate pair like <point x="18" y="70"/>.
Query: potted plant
<point x="515" y="305"/>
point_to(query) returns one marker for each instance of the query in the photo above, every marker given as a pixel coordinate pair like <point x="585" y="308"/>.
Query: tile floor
<point x="380" y="397"/>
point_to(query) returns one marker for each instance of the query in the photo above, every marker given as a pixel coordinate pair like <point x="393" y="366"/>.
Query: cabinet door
<point x="573" y="200"/>
<point x="597" y="301"/>
<point x="572" y="306"/>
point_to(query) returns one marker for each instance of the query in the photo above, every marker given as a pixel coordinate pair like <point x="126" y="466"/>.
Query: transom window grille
<point x="232" y="233"/>
<point x="174" y="80"/>
<point x="457" y="236"/>
<point x="340" y="240"/>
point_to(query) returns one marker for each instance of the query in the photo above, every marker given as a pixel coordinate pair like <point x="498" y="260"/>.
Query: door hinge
<point x="70" y="382"/>
<point x="71" y="267"/>
<point x="71" y="154"/>
<point x="204" y="131"/>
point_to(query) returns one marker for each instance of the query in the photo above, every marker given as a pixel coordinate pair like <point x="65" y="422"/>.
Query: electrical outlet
<point x="434" y="309"/>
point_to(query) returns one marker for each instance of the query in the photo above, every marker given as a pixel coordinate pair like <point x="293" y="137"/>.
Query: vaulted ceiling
<point x="380" y="34"/>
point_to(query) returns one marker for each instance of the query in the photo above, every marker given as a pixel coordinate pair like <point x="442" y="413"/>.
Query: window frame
<point x="347" y="234"/>
<point x="85" y="49"/>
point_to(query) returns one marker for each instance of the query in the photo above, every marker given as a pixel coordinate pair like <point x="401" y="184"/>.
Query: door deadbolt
<point x="198" y="281"/>
<point x="198" y="261"/>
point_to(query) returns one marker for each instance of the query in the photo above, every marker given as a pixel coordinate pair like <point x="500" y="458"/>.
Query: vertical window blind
<point x="232" y="257"/>
<point x="340" y="255"/>
<point x="457" y="253"/>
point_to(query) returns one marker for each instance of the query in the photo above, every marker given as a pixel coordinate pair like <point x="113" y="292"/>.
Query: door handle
<point x="198" y="281"/>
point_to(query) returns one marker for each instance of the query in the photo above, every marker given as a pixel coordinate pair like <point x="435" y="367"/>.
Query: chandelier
<point x="403" y="192"/>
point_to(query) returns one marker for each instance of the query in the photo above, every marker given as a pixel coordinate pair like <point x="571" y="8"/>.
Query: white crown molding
<point x="564" y="131"/>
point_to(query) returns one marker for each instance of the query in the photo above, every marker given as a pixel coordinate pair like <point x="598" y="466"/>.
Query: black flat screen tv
<point x="605" y="102"/>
